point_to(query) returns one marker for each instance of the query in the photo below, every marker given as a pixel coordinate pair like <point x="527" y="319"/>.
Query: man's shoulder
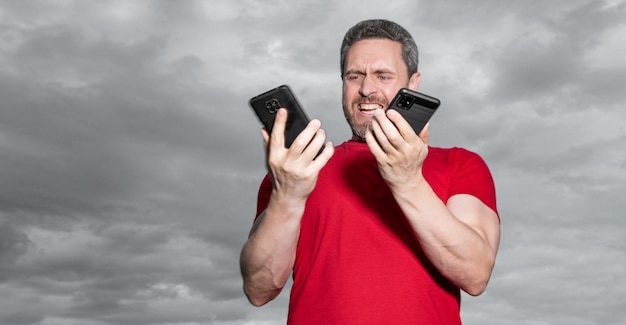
<point x="450" y="153"/>
<point x="453" y="158"/>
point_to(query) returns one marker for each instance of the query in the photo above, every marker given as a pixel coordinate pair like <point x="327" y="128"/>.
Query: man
<point x="389" y="229"/>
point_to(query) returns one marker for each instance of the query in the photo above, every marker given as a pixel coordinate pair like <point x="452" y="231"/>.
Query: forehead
<point x="375" y="53"/>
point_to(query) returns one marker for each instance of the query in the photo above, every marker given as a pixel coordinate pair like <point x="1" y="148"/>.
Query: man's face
<point x="374" y="72"/>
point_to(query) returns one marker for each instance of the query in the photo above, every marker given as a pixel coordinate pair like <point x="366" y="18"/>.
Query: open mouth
<point x="369" y="108"/>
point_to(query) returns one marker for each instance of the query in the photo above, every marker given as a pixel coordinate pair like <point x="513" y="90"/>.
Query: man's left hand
<point x="399" y="152"/>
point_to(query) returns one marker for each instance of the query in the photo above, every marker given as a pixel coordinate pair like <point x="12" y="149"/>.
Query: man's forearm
<point x="268" y="256"/>
<point x="460" y="248"/>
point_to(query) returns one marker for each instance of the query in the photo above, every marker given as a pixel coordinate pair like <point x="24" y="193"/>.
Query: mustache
<point x="372" y="99"/>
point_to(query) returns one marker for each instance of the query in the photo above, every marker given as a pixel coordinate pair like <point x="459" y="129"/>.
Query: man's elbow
<point x="257" y="301"/>
<point x="478" y="285"/>
<point x="258" y="297"/>
<point x="475" y="289"/>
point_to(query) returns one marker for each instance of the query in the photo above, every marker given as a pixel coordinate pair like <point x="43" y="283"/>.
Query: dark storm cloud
<point x="130" y="159"/>
<point x="14" y="243"/>
<point x="531" y="68"/>
<point x="105" y="138"/>
<point x="97" y="131"/>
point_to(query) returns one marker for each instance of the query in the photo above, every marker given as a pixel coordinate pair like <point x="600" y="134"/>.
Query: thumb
<point x="266" y="138"/>
<point x="425" y="133"/>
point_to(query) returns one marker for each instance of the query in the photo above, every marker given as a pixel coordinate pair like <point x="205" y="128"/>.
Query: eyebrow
<point x="378" y="71"/>
<point x="353" y="71"/>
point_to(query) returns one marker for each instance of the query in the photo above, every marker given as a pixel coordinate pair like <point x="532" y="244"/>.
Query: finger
<point x="305" y="137"/>
<point x="395" y="139"/>
<point x="315" y="145"/>
<point x="425" y="133"/>
<point x="385" y="124"/>
<point x="373" y="145"/>
<point x="266" y="141"/>
<point x="401" y="124"/>
<point x="323" y="158"/>
<point x="277" y="139"/>
<point x="266" y="137"/>
<point x="379" y="134"/>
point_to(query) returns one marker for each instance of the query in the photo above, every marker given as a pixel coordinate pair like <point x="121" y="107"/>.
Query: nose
<point x="368" y="86"/>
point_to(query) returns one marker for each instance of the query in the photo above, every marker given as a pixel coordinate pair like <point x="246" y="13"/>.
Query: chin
<point x="359" y="131"/>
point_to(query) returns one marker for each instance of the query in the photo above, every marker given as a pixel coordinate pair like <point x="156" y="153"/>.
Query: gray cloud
<point x="130" y="160"/>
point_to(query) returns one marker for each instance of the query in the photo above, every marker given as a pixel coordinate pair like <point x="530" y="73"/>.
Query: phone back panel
<point x="415" y="107"/>
<point x="267" y="104"/>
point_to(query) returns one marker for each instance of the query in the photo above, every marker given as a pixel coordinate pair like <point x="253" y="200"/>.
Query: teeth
<point x="368" y="107"/>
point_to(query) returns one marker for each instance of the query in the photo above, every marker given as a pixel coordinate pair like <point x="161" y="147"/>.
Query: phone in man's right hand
<point x="415" y="107"/>
<point x="267" y="104"/>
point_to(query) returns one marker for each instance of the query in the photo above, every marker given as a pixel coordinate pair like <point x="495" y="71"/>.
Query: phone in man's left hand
<point x="415" y="107"/>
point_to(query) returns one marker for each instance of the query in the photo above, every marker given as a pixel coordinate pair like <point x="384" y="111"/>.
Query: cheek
<point x="349" y="92"/>
<point x="389" y="94"/>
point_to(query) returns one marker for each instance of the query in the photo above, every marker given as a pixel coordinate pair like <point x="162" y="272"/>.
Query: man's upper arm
<point x="477" y="215"/>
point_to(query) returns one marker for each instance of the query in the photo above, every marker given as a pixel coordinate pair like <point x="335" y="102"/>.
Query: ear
<point x="414" y="81"/>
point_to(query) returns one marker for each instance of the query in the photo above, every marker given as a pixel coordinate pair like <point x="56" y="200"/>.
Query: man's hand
<point x="460" y="238"/>
<point x="268" y="256"/>
<point x="399" y="152"/>
<point x="294" y="170"/>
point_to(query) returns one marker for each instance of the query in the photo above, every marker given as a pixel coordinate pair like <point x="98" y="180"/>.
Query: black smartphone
<point x="267" y="104"/>
<point x="416" y="108"/>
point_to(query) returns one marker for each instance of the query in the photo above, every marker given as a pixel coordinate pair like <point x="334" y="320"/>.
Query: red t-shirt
<point x="357" y="260"/>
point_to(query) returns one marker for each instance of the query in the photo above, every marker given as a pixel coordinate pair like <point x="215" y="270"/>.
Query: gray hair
<point x="381" y="29"/>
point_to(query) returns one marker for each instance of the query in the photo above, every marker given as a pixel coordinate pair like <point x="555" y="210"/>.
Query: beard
<point x="359" y="130"/>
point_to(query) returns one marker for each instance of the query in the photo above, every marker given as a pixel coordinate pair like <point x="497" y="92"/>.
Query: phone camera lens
<point x="272" y="105"/>
<point x="405" y="102"/>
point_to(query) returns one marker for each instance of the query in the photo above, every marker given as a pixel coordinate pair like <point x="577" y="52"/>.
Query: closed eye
<point x="353" y="76"/>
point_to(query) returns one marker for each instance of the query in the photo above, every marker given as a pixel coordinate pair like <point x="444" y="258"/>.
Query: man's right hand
<point x="294" y="170"/>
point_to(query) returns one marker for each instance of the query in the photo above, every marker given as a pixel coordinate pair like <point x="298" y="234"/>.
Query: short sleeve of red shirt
<point x="265" y="191"/>
<point x="470" y="175"/>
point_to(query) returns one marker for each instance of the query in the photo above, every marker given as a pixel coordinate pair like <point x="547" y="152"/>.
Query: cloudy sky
<point x="130" y="161"/>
